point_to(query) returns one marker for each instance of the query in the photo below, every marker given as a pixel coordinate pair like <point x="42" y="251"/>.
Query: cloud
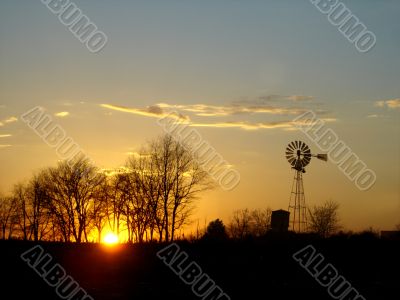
<point x="5" y="135"/>
<point x="246" y="125"/>
<point x="394" y="103"/>
<point x="286" y="125"/>
<point x="132" y="153"/>
<point x="161" y="110"/>
<point x="109" y="172"/>
<point x="62" y="114"/>
<point x="8" y="121"/>
<point x="236" y="108"/>
<point x="269" y="98"/>
<point x="391" y="103"/>
<point x="259" y="105"/>
<point x="5" y="146"/>
<point x="300" y="98"/>
<point x="150" y="111"/>
<point x="292" y="98"/>
<point x="329" y="120"/>
<point x="137" y="154"/>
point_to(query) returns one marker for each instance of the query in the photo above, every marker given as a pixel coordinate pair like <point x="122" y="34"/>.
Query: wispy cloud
<point x="109" y="172"/>
<point x="391" y="103"/>
<point x="283" y="98"/>
<point x="300" y="98"/>
<point x="8" y="120"/>
<point x="375" y="116"/>
<point x="260" y="105"/>
<point x="287" y="125"/>
<point x="150" y="111"/>
<point x="236" y="108"/>
<point x="160" y="110"/>
<point x="11" y="120"/>
<point x="5" y="135"/>
<point x="62" y="114"/>
<point x="246" y="125"/>
<point x="137" y="154"/>
<point x="5" y="146"/>
<point x="204" y="110"/>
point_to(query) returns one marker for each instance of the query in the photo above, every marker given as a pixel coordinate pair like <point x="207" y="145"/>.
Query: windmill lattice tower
<point x="299" y="155"/>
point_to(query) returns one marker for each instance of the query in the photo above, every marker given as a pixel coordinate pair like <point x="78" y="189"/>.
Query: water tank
<point x="280" y="220"/>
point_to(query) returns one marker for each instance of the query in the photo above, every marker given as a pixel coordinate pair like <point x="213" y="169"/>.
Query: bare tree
<point x="147" y="180"/>
<point x="131" y="206"/>
<point x="116" y="201"/>
<point x="98" y="208"/>
<point x="261" y="221"/>
<point x="324" y="219"/>
<point x="143" y="199"/>
<point x="71" y="188"/>
<point x="36" y="206"/>
<point x="74" y="201"/>
<point x="8" y="209"/>
<point x="21" y="214"/>
<point x="249" y="223"/>
<point x="181" y="179"/>
<point x="240" y="224"/>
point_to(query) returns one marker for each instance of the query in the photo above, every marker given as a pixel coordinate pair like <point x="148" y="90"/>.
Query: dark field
<point x="251" y="269"/>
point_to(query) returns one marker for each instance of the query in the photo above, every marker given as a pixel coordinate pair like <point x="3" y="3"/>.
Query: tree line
<point x="323" y="221"/>
<point x="150" y="199"/>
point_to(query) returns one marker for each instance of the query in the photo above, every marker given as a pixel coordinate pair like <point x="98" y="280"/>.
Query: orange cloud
<point x="391" y="103"/>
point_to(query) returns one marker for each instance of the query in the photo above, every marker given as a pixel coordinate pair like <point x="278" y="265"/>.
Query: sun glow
<point x="110" y="239"/>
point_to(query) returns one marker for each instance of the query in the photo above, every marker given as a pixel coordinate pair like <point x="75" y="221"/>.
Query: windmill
<point x="299" y="155"/>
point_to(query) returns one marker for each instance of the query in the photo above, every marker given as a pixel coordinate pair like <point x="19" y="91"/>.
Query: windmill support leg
<point x="297" y="204"/>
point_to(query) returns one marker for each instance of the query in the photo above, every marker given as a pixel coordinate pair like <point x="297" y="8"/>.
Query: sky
<point x="240" y="71"/>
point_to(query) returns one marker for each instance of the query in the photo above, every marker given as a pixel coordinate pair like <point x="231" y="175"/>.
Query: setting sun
<point x="110" y="239"/>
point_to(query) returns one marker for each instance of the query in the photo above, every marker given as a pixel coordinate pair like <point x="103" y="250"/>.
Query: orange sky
<point x="240" y="73"/>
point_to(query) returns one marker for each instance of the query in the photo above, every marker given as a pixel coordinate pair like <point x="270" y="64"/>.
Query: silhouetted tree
<point x="71" y="189"/>
<point x="324" y="219"/>
<point x="240" y="224"/>
<point x="180" y="178"/>
<point x="139" y="207"/>
<point x="32" y="215"/>
<point x="216" y="231"/>
<point x="250" y="223"/>
<point x="8" y="209"/>
<point x="115" y="202"/>
<point x="35" y="208"/>
<point x="152" y="197"/>
<point x="98" y="209"/>
<point x="21" y="214"/>
<point x="260" y="221"/>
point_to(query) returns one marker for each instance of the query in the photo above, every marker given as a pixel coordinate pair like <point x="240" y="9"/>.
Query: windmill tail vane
<point x="323" y="157"/>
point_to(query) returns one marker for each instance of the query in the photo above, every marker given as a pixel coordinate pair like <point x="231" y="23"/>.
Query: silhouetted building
<point x="280" y="220"/>
<point x="390" y="235"/>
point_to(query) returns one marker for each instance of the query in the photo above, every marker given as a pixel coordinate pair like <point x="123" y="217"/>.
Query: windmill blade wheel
<point x="298" y="155"/>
